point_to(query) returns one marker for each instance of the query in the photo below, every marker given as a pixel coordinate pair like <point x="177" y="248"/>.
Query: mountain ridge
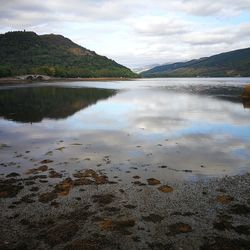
<point x="232" y="63"/>
<point x="25" y="52"/>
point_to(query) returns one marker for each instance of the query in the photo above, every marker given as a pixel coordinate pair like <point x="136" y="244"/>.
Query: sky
<point x="137" y="33"/>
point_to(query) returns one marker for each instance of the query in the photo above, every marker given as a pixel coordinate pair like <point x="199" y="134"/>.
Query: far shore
<point x="16" y="80"/>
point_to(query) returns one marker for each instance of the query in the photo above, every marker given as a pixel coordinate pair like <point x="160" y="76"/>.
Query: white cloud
<point x="160" y="26"/>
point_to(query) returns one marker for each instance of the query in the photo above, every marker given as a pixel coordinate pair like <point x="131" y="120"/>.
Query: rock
<point x="38" y="170"/>
<point x="136" y="177"/>
<point x="47" y="197"/>
<point x="8" y="190"/>
<point x="179" y="228"/>
<point x="12" y="175"/>
<point x="153" y="181"/>
<point x="163" y="166"/>
<point x="54" y="174"/>
<point x="153" y="218"/>
<point x="110" y="225"/>
<point x="86" y="173"/>
<point x="98" y="179"/>
<point x="112" y="209"/>
<point x="183" y="214"/>
<point x="42" y="168"/>
<point x="224" y="199"/>
<point x="165" y="189"/>
<point x="129" y="206"/>
<point x="46" y="161"/>
<point x="60" y="149"/>
<point x="64" y="187"/>
<point x="82" y="181"/>
<point x="103" y="199"/>
<point x="138" y="183"/>
<point x="101" y="179"/>
<point x="187" y="171"/>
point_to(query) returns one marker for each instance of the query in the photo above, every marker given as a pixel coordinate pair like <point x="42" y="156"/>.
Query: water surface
<point x="161" y="128"/>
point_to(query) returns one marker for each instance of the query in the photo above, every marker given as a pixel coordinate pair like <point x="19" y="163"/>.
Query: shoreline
<point x="19" y="80"/>
<point x="15" y="80"/>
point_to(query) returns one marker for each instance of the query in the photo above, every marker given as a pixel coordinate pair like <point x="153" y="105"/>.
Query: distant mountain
<point x="144" y="68"/>
<point x="24" y="53"/>
<point x="233" y="63"/>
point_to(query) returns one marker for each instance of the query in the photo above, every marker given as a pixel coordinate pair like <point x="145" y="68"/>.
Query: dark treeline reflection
<point x="35" y="104"/>
<point x="227" y="93"/>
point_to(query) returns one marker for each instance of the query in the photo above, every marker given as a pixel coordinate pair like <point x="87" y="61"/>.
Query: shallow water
<point x="161" y="128"/>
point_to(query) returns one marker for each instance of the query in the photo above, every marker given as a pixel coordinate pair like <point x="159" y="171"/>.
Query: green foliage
<point x="234" y="63"/>
<point x="53" y="55"/>
<point x="5" y="71"/>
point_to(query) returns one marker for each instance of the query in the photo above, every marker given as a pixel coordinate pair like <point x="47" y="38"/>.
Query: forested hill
<point x="24" y="53"/>
<point x="233" y="63"/>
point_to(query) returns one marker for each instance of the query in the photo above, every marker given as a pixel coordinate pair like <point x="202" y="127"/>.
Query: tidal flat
<point x="143" y="164"/>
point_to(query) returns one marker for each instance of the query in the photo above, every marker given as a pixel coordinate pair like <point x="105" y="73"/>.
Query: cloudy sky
<point x="137" y="32"/>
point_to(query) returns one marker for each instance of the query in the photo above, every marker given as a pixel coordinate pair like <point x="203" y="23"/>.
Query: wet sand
<point x="91" y="210"/>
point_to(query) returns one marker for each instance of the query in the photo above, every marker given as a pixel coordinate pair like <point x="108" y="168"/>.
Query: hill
<point x="233" y="63"/>
<point x="24" y="53"/>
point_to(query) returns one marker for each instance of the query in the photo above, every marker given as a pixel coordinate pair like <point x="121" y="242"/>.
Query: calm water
<point x="194" y="127"/>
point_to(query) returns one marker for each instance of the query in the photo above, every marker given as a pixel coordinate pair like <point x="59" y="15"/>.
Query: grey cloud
<point x="208" y="8"/>
<point x="28" y="13"/>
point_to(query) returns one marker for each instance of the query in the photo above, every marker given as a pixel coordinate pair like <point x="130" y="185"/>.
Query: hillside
<point x="24" y="53"/>
<point x="233" y="63"/>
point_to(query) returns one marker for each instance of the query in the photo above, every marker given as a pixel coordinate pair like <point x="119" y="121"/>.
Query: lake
<point x="167" y="128"/>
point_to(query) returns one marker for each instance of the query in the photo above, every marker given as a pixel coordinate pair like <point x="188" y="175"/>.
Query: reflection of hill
<point x="35" y="104"/>
<point x="227" y="93"/>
